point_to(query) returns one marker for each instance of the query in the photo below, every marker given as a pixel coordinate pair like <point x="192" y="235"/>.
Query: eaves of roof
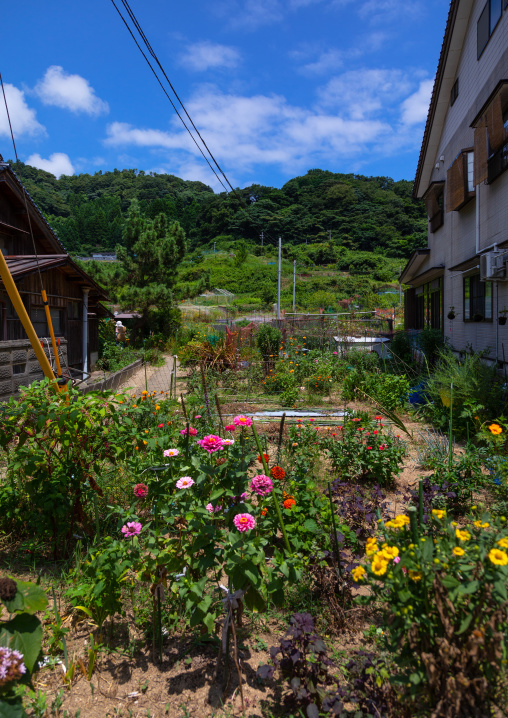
<point x="5" y="167"/>
<point x="456" y="27"/>
<point x="413" y="264"/>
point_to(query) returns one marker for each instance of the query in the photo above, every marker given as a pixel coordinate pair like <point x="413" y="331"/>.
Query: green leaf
<point x="500" y="589"/>
<point x="465" y="624"/>
<point x="470" y="587"/>
<point x="428" y="550"/>
<point x="31" y="597"/>
<point x="254" y="600"/>
<point x="23" y="633"/>
<point x="311" y="526"/>
<point x="450" y="582"/>
<point x="11" y="707"/>
<point x="209" y="621"/>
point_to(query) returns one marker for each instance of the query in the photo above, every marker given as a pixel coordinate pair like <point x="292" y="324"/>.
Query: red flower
<point x="141" y="490"/>
<point x="160" y="426"/>
<point x="357" y="419"/>
<point x="264" y="511"/>
<point x="288" y="503"/>
<point x="378" y="418"/>
<point x="267" y="458"/>
<point x="375" y="432"/>
<point x="277" y="472"/>
<point x="369" y="447"/>
<point x="382" y="447"/>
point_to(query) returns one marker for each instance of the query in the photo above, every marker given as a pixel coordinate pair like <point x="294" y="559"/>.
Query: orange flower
<point x="288" y="503"/>
<point x="264" y="511"/>
<point x="267" y="458"/>
<point x="277" y="472"/>
<point x="495" y="429"/>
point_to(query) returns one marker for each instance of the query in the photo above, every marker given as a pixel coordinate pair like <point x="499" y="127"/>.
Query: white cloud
<point x="250" y="15"/>
<point x="386" y="11"/>
<point x="327" y="61"/>
<point x="416" y="106"/>
<point x="23" y="118"/>
<point x="70" y="92"/>
<point x="210" y="55"/>
<point x="360" y="93"/>
<point x="58" y="163"/>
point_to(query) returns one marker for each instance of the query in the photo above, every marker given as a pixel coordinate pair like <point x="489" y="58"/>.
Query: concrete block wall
<point x="19" y="365"/>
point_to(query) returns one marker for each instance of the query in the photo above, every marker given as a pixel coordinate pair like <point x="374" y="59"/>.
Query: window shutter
<point x="495" y="125"/>
<point x="455" y="185"/>
<point x="432" y="204"/>
<point x="480" y="153"/>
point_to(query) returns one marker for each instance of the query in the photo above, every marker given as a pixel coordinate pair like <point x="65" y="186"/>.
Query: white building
<point x="459" y="283"/>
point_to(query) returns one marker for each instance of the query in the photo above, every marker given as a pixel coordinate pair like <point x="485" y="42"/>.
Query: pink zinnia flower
<point x="230" y="427"/>
<point x="375" y="431"/>
<point x="198" y="416"/>
<point x="185" y="482"/>
<point x="242" y="420"/>
<point x="311" y="419"/>
<point x="396" y="559"/>
<point x="244" y="522"/>
<point x="212" y="510"/>
<point x="228" y="442"/>
<point x="210" y="443"/>
<point x="335" y="352"/>
<point x="261" y="485"/>
<point x="171" y="452"/>
<point x="192" y="431"/>
<point x="369" y="447"/>
<point x="160" y="426"/>
<point x="382" y="447"/>
<point x="131" y="528"/>
<point x="356" y="419"/>
<point x="141" y="490"/>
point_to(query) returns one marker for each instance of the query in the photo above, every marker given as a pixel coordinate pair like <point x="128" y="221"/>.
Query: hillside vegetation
<point x="329" y="211"/>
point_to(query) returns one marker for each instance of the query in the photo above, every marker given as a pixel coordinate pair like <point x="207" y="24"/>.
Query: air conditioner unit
<point x="493" y="267"/>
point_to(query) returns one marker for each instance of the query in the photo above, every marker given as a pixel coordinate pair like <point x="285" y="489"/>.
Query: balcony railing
<point x="436" y="221"/>
<point x="498" y="162"/>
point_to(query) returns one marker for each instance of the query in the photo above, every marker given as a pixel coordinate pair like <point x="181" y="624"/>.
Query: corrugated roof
<point x="21" y="265"/>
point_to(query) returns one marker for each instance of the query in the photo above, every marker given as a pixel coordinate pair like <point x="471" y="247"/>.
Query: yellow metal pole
<point x="19" y="307"/>
<point x="51" y="332"/>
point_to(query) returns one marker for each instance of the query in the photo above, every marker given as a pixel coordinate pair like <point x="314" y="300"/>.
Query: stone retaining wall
<point x="115" y="380"/>
<point x="19" y="365"/>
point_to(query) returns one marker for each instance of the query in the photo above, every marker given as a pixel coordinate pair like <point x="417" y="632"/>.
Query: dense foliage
<point x="328" y="210"/>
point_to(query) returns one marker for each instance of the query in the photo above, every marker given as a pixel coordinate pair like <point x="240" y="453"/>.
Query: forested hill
<point x="358" y="213"/>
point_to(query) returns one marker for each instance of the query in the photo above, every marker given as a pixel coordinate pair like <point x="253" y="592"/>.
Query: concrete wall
<point x="19" y="365"/>
<point x="113" y="381"/>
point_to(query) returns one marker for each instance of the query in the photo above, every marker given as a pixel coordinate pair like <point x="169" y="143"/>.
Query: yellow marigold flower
<point x="390" y="525"/>
<point x="379" y="564"/>
<point x="371" y="549"/>
<point x="137" y="448"/>
<point x="134" y="406"/>
<point x="503" y="542"/>
<point x="371" y="539"/>
<point x="402" y="519"/>
<point x="415" y="575"/>
<point x="157" y="407"/>
<point x="495" y="429"/>
<point x="438" y="513"/>
<point x="462" y="535"/>
<point x="390" y="552"/>
<point x="498" y="557"/>
<point x="144" y="392"/>
<point x="146" y="431"/>
<point x="145" y="442"/>
<point x="458" y="551"/>
<point x="358" y="573"/>
<point x="478" y="524"/>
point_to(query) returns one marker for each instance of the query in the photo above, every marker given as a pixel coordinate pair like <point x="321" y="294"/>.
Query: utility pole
<point x="262" y="237"/>
<point x="400" y="288"/>
<point x="278" y="278"/>
<point x="330" y="234"/>
<point x="294" y="283"/>
<point x="214" y="247"/>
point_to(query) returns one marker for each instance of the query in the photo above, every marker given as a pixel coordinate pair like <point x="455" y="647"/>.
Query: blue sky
<point x="276" y="87"/>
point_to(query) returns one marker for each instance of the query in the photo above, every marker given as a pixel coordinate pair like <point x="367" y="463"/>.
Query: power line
<point x="167" y="95"/>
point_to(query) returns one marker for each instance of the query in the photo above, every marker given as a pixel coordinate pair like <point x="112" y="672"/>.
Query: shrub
<point x="360" y="449"/>
<point x="446" y="604"/>
<point x="388" y="390"/>
<point x="268" y="340"/>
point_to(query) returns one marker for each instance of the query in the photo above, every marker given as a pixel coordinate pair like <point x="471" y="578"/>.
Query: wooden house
<point x="459" y="282"/>
<point x="37" y="259"/>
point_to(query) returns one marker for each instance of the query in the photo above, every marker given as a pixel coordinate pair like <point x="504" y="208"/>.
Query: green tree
<point x="149" y="260"/>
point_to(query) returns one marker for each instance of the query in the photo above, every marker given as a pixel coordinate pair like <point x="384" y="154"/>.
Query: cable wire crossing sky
<point x="274" y="88"/>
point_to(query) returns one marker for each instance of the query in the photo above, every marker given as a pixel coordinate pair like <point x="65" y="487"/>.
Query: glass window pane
<point x="470" y="168"/>
<point x="495" y="14"/>
<point x="467" y="302"/>
<point x="483" y="30"/>
<point x="488" y="300"/>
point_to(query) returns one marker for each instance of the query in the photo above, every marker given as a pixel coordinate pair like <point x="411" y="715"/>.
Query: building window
<point x="489" y="17"/>
<point x="434" y="201"/>
<point x="477" y="299"/>
<point x="74" y="310"/>
<point x="460" y="181"/>
<point x="424" y="305"/>
<point x="455" y="92"/>
<point x="38" y="317"/>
